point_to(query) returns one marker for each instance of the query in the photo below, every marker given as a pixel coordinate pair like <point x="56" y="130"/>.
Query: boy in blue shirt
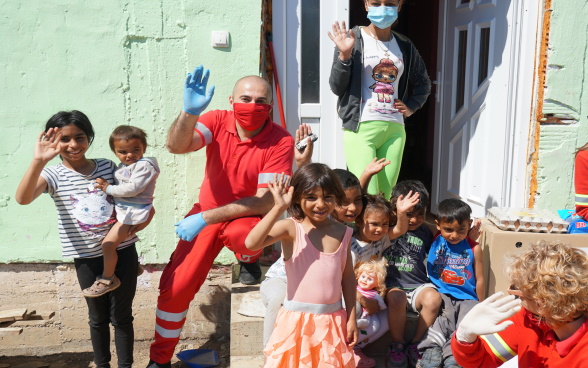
<point x="455" y="266"/>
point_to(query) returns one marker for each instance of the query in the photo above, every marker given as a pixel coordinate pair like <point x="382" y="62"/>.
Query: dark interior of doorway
<point x="418" y="20"/>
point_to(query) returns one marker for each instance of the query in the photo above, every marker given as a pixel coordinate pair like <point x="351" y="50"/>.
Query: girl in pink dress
<point x="312" y="329"/>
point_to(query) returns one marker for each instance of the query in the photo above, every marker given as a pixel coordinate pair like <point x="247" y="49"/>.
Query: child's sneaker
<point x="414" y="356"/>
<point x="396" y="357"/>
<point x="432" y="358"/>
<point x="101" y="286"/>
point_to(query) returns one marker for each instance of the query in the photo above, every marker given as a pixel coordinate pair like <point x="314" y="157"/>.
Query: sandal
<point x="101" y="286"/>
<point x="363" y="360"/>
<point x="270" y="258"/>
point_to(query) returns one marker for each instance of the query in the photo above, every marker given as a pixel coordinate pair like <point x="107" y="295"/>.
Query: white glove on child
<point x="485" y="317"/>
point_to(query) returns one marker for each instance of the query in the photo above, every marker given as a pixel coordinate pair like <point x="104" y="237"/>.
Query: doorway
<point x="482" y="169"/>
<point x="295" y="43"/>
<point x="304" y="54"/>
<point x="418" y="21"/>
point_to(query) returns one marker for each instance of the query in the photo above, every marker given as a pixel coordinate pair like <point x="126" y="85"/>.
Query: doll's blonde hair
<point x="555" y="276"/>
<point x="378" y="268"/>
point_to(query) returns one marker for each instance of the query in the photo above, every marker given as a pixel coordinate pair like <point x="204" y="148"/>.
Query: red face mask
<point x="251" y="116"/>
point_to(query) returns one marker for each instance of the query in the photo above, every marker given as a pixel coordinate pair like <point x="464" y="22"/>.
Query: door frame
<point x="286" y="16"/>
<point x="524" y="44"/>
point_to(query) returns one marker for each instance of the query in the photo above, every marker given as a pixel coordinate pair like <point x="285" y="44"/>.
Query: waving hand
<point x="196" y="98"/>
<point x="281" y="190"/>
<point x="48" y="146"/>
<point x="342" y="40"/>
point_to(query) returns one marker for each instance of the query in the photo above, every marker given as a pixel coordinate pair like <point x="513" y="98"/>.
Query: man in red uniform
<point x="244" y="149"/>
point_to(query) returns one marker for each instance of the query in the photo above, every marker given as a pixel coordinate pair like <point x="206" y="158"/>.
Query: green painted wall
<point x="566" y="86"/>
<point x="120" y="62"/>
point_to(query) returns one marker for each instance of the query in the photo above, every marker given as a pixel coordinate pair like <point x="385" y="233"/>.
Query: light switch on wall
<point x="220" y="39"/>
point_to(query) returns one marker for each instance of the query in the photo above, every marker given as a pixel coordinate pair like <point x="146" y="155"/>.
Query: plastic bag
<point x="577" y="224"/>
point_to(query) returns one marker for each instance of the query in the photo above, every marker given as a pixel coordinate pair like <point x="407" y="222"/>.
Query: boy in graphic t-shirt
<point x="409" y="288"/>
<point x="455" y="265"/>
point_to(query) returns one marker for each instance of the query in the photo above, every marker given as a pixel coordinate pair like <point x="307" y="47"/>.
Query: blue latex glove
<point x="196" y="99"/>
<point x="188" y="228"/>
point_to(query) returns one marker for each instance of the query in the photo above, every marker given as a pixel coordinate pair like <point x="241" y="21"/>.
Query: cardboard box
<point x="498" y="245"/>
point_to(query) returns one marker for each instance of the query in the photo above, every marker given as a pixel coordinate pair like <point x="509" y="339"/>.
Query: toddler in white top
<point x="133" y="196"/>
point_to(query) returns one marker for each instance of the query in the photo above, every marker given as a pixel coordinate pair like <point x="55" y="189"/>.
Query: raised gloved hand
<point x="486" y="317"/>
<point x="196" y="99"/>
<point x="188" y="228"/>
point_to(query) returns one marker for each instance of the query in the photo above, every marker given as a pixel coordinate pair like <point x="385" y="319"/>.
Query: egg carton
<point x="527" y="220"/>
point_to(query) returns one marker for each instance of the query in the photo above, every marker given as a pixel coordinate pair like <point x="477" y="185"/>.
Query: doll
<point x="371" y="277"/>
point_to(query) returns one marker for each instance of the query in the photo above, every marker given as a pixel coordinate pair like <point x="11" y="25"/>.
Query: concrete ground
<point x="225" y="316"/>
<point x="84" y="359"/>
<point x="64" y="339"/>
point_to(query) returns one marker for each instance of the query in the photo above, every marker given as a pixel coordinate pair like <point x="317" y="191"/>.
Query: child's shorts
<point x="411" y="296"/>
<point x="132" y="215"/>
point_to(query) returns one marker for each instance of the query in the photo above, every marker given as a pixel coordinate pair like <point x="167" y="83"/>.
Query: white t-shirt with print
<point x="382" y="67"/>
<point x="84" y="214"/>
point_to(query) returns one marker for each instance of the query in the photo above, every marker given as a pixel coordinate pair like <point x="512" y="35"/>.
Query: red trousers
<point x="185" y="273"/>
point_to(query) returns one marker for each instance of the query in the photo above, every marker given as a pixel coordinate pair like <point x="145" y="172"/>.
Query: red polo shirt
<point x="235" y="169"/>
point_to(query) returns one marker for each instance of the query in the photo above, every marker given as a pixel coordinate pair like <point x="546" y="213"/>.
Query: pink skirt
<point x="302" y="339"/>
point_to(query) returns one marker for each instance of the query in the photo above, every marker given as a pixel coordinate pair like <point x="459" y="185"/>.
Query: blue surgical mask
<point x="382" y="16"/>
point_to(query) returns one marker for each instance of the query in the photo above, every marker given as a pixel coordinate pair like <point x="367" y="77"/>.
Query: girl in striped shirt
<point x="85" y="215"/>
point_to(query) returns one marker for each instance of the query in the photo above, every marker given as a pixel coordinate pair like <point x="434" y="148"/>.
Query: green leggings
<point x="376" y="139"/>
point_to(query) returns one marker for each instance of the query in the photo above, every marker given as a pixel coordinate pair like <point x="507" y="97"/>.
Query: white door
<point x="304" y="54"/>
<point x="486" y="62"/>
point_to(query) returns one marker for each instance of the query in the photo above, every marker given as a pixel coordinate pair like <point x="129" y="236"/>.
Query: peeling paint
<point x="541" y="73"/>
<point x="554" y="67"/>
<point x="562" y="124"/>
<point x="559" y="112"/>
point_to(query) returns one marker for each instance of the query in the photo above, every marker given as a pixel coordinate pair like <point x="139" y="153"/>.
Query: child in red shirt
<point x="551" y="328"/>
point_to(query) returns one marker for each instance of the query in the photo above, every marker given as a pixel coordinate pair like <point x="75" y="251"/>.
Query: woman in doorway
<point x="372" y="70"/>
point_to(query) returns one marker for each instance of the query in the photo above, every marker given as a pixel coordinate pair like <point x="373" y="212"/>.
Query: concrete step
<point x="379" y="348"/>
<point x="252" y="361"/>
<point x="247" y="311"/>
